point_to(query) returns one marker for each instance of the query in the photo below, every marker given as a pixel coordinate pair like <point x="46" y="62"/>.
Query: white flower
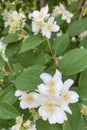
<point x="62" y="9"/>
<point x="26" y="99"/>
<point x="50" y="109"/>
<point x="56" y="11"/>
<point x="14" y="20"/>
<point x="83" y="35"/>
<point x="52" y="85"/>
<point x="18" y="124"/>
<point x="67" y="16"/>
<point x="54" y="97"/>
<point x="40" y="15"/>
<point x="68" y="96"/>
<point x="50" y="26"/>
<point x="37" y="26"/>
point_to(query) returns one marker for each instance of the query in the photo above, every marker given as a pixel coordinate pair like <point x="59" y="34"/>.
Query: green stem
<point x="52" y="53"/>
<point x="10" y="68"/>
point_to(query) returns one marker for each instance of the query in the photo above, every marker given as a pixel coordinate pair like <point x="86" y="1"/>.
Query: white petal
<point x="18" y="93"/>
<point x="66" y="108"/>
<point x="43" y="113"/>
<point x="42" y="88"/>
<point x="45" y="77"/>
<point x="67" y="84"/>
<point x="60" y="115"/>
<point x="45" y="9"/>
<point x="68" y="20"/>
<point x="23" y="104"/>
<point x="48" y="34"/>
<point x="55" y="28"/>
<point x="52" y="119"/>
<point x="51" y="20"/>
<point x="59" y="85"/>
<point x="57" y="75"/>
<point x="73" y="97"/>
<point x="35" y="14"/>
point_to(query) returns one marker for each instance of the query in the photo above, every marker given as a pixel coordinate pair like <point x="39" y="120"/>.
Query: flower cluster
<point x="20" y="125"/>
<point x="43" y="22"/>
<point x="14" y="20"/>
<point x="52" y="98"/>
<point x="2" y="51"/>
<point x="61" y="10"/>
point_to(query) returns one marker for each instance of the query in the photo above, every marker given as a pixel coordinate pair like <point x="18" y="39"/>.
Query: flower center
<point x="49" y="107"/>
<point x="51" y="91"/>
<point x="29" y="99"/>
<point x="51" y="83"/>
<point x="41" y="15"/>
<point x="39" y="25"/>
<point x="66" y="96"/>
<point x="49" y="27"/>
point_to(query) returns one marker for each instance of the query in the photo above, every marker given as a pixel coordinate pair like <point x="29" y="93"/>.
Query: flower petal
<point x="42" y="88"/>
<point x="45" y="77"/>
<point x="67" y="84"/>
<point x="73" y="97"/>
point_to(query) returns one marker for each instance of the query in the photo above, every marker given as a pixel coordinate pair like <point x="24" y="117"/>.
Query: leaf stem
<point x="52" y="53"/>
<point x="10" y="68"/>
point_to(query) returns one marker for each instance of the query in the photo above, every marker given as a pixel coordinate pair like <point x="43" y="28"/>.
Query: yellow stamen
<point x="49" y="27"/>
<point x="29" y="99"/>
<point x="49" y="107"/>
<point x="66" y="96"/>
<point x="39" y="24"/>
<point x="51" y="83"/>
<point x="41" y="15"/>
<point x="51" y="91"/>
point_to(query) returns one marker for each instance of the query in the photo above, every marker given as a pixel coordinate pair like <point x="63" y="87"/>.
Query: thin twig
<point x="52" y="54"/>
<point x="42" y="3"/>
<point x="83" y="8"/>
<point x="79" y="7"/>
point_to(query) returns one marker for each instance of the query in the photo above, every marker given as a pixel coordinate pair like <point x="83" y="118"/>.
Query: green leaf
<point x="10" y="38"/>
<point x="73" y="61"/>
<point x="31" y="42"/>
<point x="29" y="79"/>
<point x="25" y="58"/>
<point x="44" y="125"/>
<point x="8" y="95"/>
<point x="77" y="27"/>
<point x="42" y="59"/>
<point x="82" y="125"/>
<point x="74" y="119"/>
<point x="83" y="43"/>
<point x="82" y="89"/>
<point x="7" y="111"/>
<point x="60" y="44"/>
<point x="1" y="62"/>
